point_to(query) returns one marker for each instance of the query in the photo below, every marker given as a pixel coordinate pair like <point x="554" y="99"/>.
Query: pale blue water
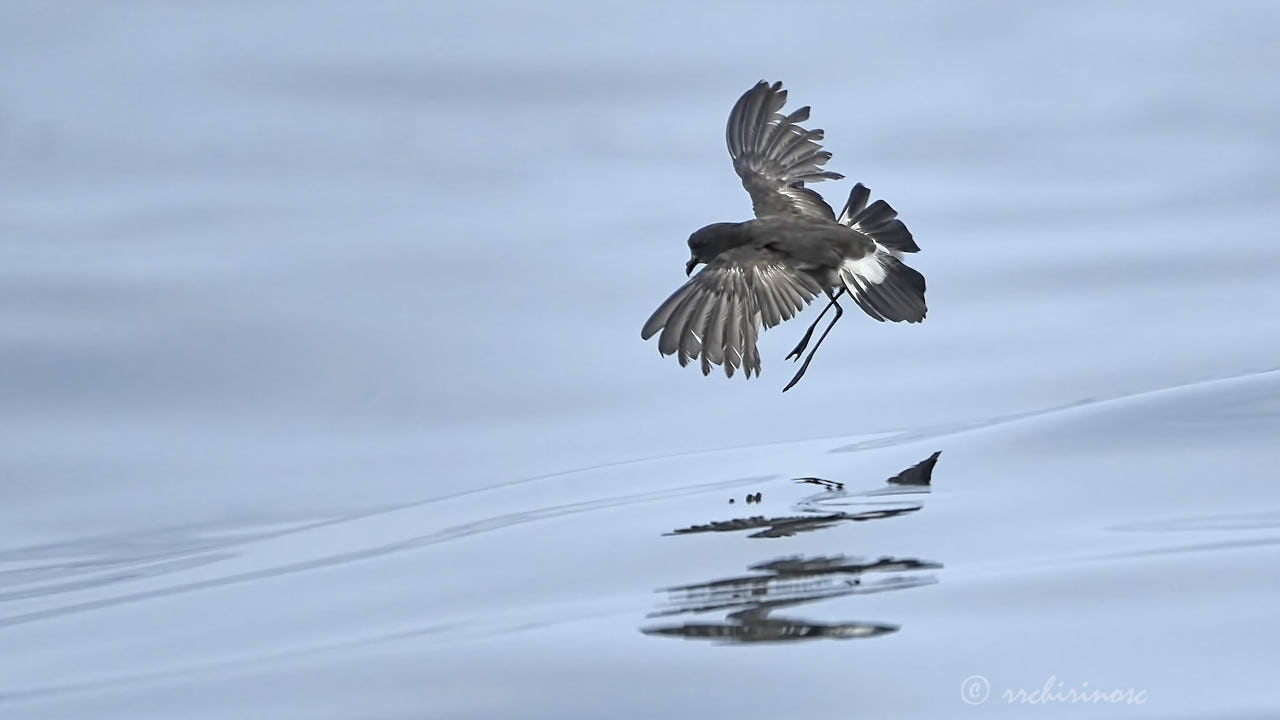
<point x="322" y="393"/>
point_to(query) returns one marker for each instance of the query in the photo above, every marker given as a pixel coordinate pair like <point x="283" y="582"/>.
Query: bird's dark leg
<point x="805" y="366"/>
<point x="804" y="341"/>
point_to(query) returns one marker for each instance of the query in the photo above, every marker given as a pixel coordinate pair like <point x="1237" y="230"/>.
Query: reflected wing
<point x="774" y="156"/>
<point x="717" y="315"/>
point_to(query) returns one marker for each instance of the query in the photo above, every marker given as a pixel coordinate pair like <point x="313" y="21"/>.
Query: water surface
<point x="322" y="396"/>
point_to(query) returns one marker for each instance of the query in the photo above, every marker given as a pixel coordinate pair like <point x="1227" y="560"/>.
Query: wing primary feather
<point x="751" y="353"/>
<point x="776" y="285"/>
<point x="782" y="292"/>
<point x="671" y="338"/>
<point x="733" y="330"/>
<point x="798" y="116"/>
<point x="794" y="149"/>
<point x="789" y="296"/>
<point x="766" y="287"/>
<point x="769" y="309"/>
<point x="713" y="341"/>
<point x="662" y="315"/>
<point x="692" y="334"/>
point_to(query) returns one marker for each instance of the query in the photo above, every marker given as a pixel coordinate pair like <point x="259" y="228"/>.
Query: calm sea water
<point x="322" y="393"/>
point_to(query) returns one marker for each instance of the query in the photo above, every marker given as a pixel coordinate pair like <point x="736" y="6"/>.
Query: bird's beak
<point x="688" y="267"/>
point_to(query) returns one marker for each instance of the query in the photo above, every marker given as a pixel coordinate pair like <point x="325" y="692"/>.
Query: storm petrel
<point x="764" y="271"/>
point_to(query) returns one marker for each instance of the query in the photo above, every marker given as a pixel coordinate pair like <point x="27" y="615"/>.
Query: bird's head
<point x="710" y="241"/>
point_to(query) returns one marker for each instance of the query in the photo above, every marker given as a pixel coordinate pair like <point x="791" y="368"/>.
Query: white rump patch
<point x="866" y="268"/>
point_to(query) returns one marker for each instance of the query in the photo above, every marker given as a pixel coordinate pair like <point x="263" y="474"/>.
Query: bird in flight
<point x="763" y="271"/>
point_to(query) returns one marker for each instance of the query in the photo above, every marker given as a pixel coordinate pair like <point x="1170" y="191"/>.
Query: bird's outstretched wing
<point x="774" y="156"/>
<point x="716" y="316"/>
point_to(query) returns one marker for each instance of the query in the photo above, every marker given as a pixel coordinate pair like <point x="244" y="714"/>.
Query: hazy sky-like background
<point x="264" y="265"/>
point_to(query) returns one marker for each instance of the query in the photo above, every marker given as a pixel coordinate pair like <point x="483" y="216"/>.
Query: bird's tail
<point x="878" y="221"/>
<point x="884" y="287"/>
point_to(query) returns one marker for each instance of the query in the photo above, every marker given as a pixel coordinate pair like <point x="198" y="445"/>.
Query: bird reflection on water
<point x="791" y="581"/>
